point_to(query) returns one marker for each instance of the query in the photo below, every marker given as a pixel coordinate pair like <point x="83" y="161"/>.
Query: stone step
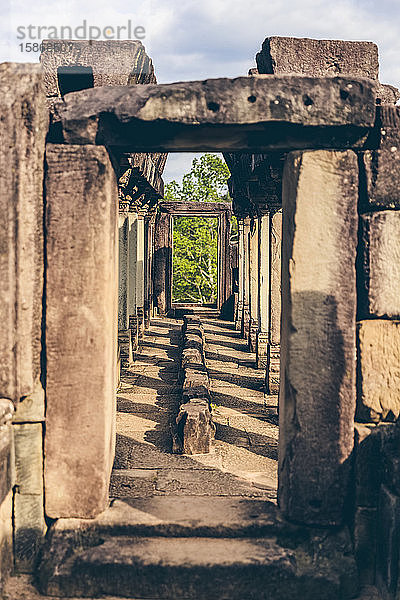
<point x="176" y="516"/>
<point x="194" y="548"/>
<point x="191" y="569"/>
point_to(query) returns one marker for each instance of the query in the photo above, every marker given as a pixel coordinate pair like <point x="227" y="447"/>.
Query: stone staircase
<point x="195" y="548"/>
<point x="200" y="527"/>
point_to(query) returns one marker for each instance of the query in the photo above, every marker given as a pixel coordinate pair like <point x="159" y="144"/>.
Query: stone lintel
<point x="247" y="113"/>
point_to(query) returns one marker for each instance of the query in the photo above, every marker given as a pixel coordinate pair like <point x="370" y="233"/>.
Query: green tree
<point x="195" y="240"/>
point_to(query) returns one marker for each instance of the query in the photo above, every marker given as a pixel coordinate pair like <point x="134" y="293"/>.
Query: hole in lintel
<point x="344" y="94"/>
<point x="214" y="106"/>
<point x="252" y="99"/>
<point x="307" y="100"/>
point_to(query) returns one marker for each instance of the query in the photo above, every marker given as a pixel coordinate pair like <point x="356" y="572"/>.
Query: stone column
<point x="264" y="287"/>
<point x="124" y="333"/>
<point x="246" y="279"/>
<point x="254" y="284"/>
<point x="238" y="322"/>
<point x="148" y="267"/>
<point x="140" y="272"/>
<point x="317" y="394"/>
<point x="81" y="329"/>
<point x="132" y="275"/>
<point x="149" y="253"/>
<point x="272" y="380"/>
<point x="162" y="262"/>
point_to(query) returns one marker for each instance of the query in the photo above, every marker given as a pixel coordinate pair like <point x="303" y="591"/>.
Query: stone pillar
<point x="317" y="394"/>
<point x="272" y="381"/>
<point x="81" y="329"/>
<point x="124" y="333"/>
<point x="239" y="319"/>
<point x="264" y="288"/>
<point x="132" y="275"/>
<point x="140" y="272"/>
<point x="148" y="266"/>
<point x="254" y="271"/>
<point x="149" y="254"/>
<point x="246" y="279"/>
<point x="162" y="262"/>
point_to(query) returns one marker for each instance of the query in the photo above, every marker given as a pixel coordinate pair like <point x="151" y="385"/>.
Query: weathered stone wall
<point x="379" y="276"/>
<point x="377" y="525"/>
<point x="23" y="127"/>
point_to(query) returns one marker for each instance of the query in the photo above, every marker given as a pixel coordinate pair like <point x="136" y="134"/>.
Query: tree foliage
<point x="195" y="239"/>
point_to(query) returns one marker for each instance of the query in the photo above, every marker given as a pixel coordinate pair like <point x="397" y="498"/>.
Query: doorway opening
<point x="195" y="261"/>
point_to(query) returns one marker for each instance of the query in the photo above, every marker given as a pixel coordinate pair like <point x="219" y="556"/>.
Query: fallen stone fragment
<point x="195" y="427"/>
<point x="194" y="430"/>
<point x="191" y="356"/>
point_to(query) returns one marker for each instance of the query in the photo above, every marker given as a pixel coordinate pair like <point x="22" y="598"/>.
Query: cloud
<point x="196" y="39"/>
<point x="178" y="163"/>
<point x="216" y="38"/>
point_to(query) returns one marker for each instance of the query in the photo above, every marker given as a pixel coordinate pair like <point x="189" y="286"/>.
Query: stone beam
<point x="270" y="112"/>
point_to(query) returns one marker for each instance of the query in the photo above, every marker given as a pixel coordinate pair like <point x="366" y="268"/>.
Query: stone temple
<point x="162" y="451"/>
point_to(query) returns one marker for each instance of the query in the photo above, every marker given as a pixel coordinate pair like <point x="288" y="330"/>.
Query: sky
<point x="199" y="39"/>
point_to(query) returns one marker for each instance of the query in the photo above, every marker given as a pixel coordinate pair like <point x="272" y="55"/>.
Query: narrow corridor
<point x="245" y="456"/>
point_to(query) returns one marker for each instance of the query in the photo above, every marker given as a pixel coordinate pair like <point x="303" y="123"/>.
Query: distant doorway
<point x="195" y="261"/>
<point x="192" y="255"/>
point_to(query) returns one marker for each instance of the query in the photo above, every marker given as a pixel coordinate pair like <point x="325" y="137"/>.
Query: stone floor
<point x="244" y="462"/>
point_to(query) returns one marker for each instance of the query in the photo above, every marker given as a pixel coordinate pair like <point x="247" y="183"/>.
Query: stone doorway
<point x="257" y="115"/>
<point x="192" y="258"/>
<point x="320" y="122"/>
<point x="163" y="255"/>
